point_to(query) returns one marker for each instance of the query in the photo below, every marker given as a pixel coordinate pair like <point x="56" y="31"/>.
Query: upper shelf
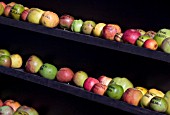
<point x="87" y="39"/>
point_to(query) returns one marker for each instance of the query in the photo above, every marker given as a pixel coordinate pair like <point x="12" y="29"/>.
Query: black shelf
<point x="71" y="89"/>
<point x="87" y="39"/>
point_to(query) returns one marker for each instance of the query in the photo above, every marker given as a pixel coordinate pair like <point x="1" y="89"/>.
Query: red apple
<point x="66" y="21"/>
<point x="99" y="89"/>
<point x="109" y="31"/>
<point x="150" y="44"/>
<point x="89" y="83"/>
<point x="3" y="4"/>
<point x="64" y="74"/>
<point x="1" y="102"/>
<point x="12" y="103"/>
<point x="104" y="80"/>
<point x="7" y="10"/>
<point x="130" y="36"/>
<point x="132" y="96"/>
<point x="24" y="14"/>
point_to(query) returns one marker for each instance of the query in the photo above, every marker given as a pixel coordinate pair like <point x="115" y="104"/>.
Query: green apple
<point x="145" y="100"/>
<point x="16" y="11"/>
<point x="76" y="25"/>
<point x="161" y="35"/>
<point x="79" y="78"/>
<point x="20" y="113"/>
<point x="4" y="52"/>
<point x="1" y="9"/>
<point x="165" y="46"/>
<point x="123" y="81"/>
<point x="48" y="71"/>
<point x="140" y="41"/>
<point x="88" y="26"/>
<point x="167" y="98"/>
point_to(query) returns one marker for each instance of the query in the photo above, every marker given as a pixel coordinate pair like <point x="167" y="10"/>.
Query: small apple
<point x="24" y="15"/>
<point x="97" y="30"/>
<point x="20" y="113"/>
<point x="16" y="60"/>
<point x="142" y="32"/>
<point x="48" y="71"/>
<point x="99" y="89"/>
<point x="109" y="31"/>
<point x="130" y="36"/>
<point x="3" y="4"/>
<point x="65" y="74"/>
<point x="49" y="19"/>
<point x="7" y="10"/>
<point x="118" y="28"/>
<point x="4" y="52"/>
<point x="76" y="25"/>
<point x="150" y="44"/>
<point x="16" y="11"/>
<point x="88" y="26"/>
<point x="132" y="96"/>
<point x="167" y="98"/>
<point x="145" y="100"/>
<point x="1" y="9"/>
<point x="142" y="89"/>
<point x="165" y="46"/>
<point x="156" y="92"/>
<point x="104" y="80"/>
<point x="150" y="33"/>
<point x="6" y="110"/>
<point x="5" y="61"/>
<point x="33" y="64"/>
<point x="89" y="83"/>
<point x="118" y="37"/>
<point x="79" y="78"/>
<point x="12" y="103"/>
<point x="27" y="109"/>
<point x="65" y="21"/>
<point x="140" y="41"/>
<point x="1" y="102"/>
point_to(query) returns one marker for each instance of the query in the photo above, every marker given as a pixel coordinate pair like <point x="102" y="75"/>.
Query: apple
<point x="20" y="113"/>
<point x="167" y="98"/>
<point x="104" y="80"/>
<point x="142" y="89"/>
<point x="48" y="71"/>
<point x="34" y="15"/>
<point x="89" y="83"/>
<point x="118" y="28"/>
<point x="24" y="14"/>
<point x="5" y="61"/>
<point x="4" y="52"/>
<point x="49" y="19"/>
<point x="79" y="78"/>
<point x="157" y="92"/>
<point x="118" y="37"/>
<point x="16" y="11"/>
<point x="65" y="74"/>
<point x="1" y="9"/>
<point x="114" y="91"/>
<point x="165" y="46"/>
<point x="150" y="33"/>
<point x="11" y="4"/>
<point x="97" y="30"/>
<point x="27" y="109"/>
<point x="145" y="100"/>
<point x="150" y="44"/>
<point x="7" y="10"/>
<point x="16" y="60"/>
<point x="3" y="4"/>
<point x="6" y="110"/>
<point x="161" y="35"/>
<point x="65" y="21"/>
<point x="123" y="81"/>
<point x="1" y="102"/>
<point x="140" y="41"/>
<point x="88" y="26"/>
<point x="76" y="25"/>
<point x="33" y="64"/>
<point x="99" y="89"/>
<point x="142" y="32"/>
<point x="12" y="103"/>
<point x="158" y="104"/>
<point x="109" y="31"/>
<point x="132" y="96"/>
<point x="130" y="36"/>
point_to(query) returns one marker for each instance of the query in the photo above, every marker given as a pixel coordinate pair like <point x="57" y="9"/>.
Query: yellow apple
<point x="157" y="92"/>
<point x="142" y="89"/>
<point x="16" y="60"/>
<point x="97" y="31"/>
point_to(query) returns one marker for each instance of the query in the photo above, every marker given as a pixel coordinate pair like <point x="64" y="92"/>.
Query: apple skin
<point x="89" y="83"/>
<point x="165" y="46"/>
<point x="12" y="103"/>
<point x="150" y="44"/>
<point x="132" y="96"/>
<point x="76" y="25"/>
<point x="142" y="32"/>
<point x="104" y="80"/>
<point x="97" y="30"/>
<point x="99" y="89"/>
<point x="167" y="98"/>
<point x="24" y="15"/>
<point x="65" y="75"/>
<point x="145" y="100"/>
<point x="5" y="61"/>
<point x="27" y="109"/>
<point x="130" y="36"/>
<point x="16" y="11"/>
<point x="1" y="9"/>
<point x="3" y="4"/>
<point x="88" y="26"/>
<point x="7" y="10"/>
<point x="156" y="92"/>
<point x="6" y="110"/>
<point x="150" y="33"/>
<point x="109" y="32"/>
<point x="140" y="41"/>
<point x="65" y="21"/>
<point x="79" y="78"/>
<point x="16" y="60"/>
<point x="142" y="89"/>
<point x="1" y="102"/>
<point x="4" y="52"/>
<point x="20" y="113"/>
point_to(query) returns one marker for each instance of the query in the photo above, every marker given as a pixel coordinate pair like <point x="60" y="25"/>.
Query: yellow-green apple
<point x="165" y="46"/>
<point x="79" y="78"/>
<point x="99" y="89"/>
<point x="109" y="31"/>
<point x="16" y="60"/>
<point x="49" y="19"/>
<point x="140" y="41"/>
<point x="145" y="100"/>
<point x="114" y="91"/>
<point x="76" y="25"/>
<point x="130" y="36"/>
<point x="4" y="52"/>
<point x="123" y="81"/>
<point x="157" y="92"/>
<point x="89" y="83"/>
<point x="65" y="21"/>
<point x="142" y="89"/>
<point x="33" y="64"/>
<point x="16" y="11"/>
<point x="65" y="74"/>
<point x="27" y="109"/>
<point x="132" y="96"/>
<point x="167" y="98"/>
<point x="6" y="110"/>
<point x="1" y="8"/>
<point x="161" y="35"/>
<point x="88" y="26"/>
<point x="48" y="71"/>
<point x="104" y="80"/>
<point x="150" y="33"/>
<point x="5" y="61"/>
<point x="150" y="44"/>
<point x="158" y="104"/>
<point x="20" y="113"/>
<point x="142" y="32"/>
<point x="118" y="37"/>
<point x="12" y="103"/>
<point x="97" y="30"/>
